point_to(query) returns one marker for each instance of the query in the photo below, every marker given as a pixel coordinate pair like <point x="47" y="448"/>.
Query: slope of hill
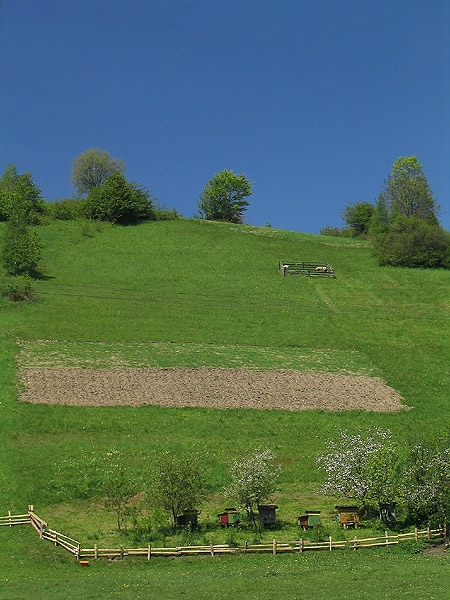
<point x="191" y="293"/>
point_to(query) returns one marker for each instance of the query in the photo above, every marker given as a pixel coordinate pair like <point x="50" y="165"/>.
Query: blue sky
<point x="311" y="100"/>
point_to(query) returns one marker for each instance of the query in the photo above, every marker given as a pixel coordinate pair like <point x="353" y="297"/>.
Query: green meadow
<point x="192" y="293"/>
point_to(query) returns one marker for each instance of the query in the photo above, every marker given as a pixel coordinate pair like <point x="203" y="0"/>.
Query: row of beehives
<point x="348" y="516"/>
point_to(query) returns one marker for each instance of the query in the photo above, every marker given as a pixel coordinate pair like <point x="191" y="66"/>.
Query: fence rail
<point x="74" y="546"/>
<point x="11" y="520"/>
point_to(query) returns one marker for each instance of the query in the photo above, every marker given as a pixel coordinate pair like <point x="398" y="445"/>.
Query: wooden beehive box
<point x="348" y="516"/>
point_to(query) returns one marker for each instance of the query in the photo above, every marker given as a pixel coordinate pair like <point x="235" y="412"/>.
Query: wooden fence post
<point x="355" y="543"/>
<point x="331" y="544"/>
<point x="428" y="532"/>
<point x="416" y="537"/>
<point x="274" y="547"/>
<point x="149" y="552"/>
<point x="301" y="544"/>
<point x="245" y="546"/>
<point x="387" y="537"/>
<point x="211" y="549"/>
<point x="95" y="551"/>
<point x="121" y="552"/>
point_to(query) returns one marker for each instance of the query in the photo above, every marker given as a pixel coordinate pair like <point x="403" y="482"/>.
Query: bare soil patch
<point x="207" y="388"/>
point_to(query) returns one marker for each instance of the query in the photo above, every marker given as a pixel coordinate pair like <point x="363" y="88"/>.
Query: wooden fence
<point x="310" y="269"/>
<point x="274" y="547"/>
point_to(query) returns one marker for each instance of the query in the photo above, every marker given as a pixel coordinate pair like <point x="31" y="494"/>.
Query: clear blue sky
<point x="311" y="100"/>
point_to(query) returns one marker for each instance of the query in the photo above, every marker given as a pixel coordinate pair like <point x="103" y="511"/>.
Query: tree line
<point x="402" y="225"/>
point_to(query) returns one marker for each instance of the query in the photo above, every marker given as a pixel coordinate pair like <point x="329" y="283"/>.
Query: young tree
<point x="362" y="465"/>
<point x="179" y="483"/>
<point x="21" y="250"/>
<point x="253" y="480"/>
<point x="118" y="201"/>
<point x="407" y="192"/>
<point x="223" y="198"/>
<point x="119" y="487"/>
<point x="20" y="190"/>
<point x="92" y="167"/>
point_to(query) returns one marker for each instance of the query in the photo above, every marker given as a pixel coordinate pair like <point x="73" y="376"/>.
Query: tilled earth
<point x="207" y="388"/>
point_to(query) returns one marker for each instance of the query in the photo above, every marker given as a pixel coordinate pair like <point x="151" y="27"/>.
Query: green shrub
<point x="337" y="231"/>
<point x="19" y="290"/>
<point x="65" y="210"/>
<point x="119" y="201"/>
<point x="413" y="242"/>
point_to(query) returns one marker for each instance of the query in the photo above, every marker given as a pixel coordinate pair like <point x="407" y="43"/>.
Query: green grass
<point x="193" y="293"/>
<point x="40" y="571"/>
<point x="51" y="353"/>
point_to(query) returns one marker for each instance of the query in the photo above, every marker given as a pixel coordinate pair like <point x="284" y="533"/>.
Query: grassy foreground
<point x="185" y="293"/>
<point x="44" y="572"/>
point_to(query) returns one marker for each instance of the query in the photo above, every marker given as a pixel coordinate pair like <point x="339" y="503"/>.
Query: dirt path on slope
<point x="207" y="388"/>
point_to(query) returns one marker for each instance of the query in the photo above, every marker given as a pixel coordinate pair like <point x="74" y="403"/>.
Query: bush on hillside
<point x="413" y="242"/>
<point x="119" y="201"/>
<point x="66" y="209"/>
<point x="337" y="231"/>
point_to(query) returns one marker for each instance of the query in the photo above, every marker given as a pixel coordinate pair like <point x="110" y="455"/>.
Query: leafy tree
<point x="21" y="249"/>
<point x="361" y="465"/>
<point x="357" y="216"/>
<point x="118" y="201"/>
<point x="413" y="242"/>
<point x="92" y="167"/>
<point x="407" y="192"/>
<point x="223" y="198"/>
<point x="118" y="485"/>
<point x="179" y="484"/>
<point x="253" y="480"/>
<point x="19" y="189"/>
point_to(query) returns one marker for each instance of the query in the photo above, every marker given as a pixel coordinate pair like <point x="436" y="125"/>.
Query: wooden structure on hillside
<point x="310" y="269"/>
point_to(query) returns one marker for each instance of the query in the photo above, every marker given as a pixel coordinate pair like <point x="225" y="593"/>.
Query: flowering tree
<point x="361" y="465"/>
<point x="426" y="488"/>
<point x="253" y="479"/>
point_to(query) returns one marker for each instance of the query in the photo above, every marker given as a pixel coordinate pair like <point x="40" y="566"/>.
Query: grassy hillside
<point x="208" y="294"/>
